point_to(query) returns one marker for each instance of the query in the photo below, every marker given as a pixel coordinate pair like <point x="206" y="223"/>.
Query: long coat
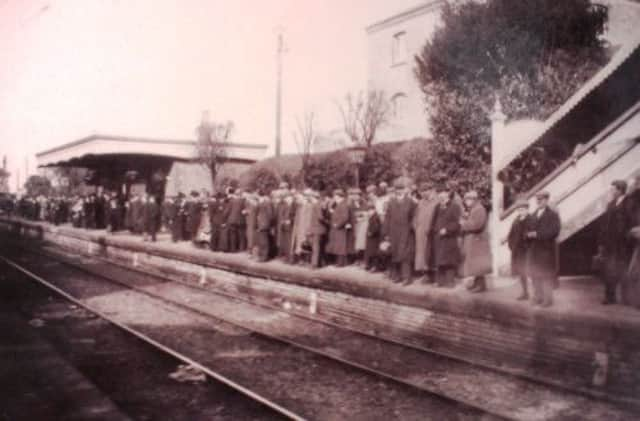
<point x="614" y="237"/>
<point x="476" y="248"/>
<point x="338" y="235"/>
<point x="151" y="215"/>
<point x="446" y="248"/>
<point x="251" y="208"/>
<point x="236" y="216"/>
<point x="541" y="256"/>
<point x="301" y="227"/>
<point x="422" y="226"/>
<point x="318" y="219"/>
<point x="518" y="244"/>
<point x="285" y="219"/>
<point x="374" y="232"/>
<point x="398" y="227"/>
<point x="193" y="209"/>
<point x="264" y="222"/>
<point x="219" y="214"/>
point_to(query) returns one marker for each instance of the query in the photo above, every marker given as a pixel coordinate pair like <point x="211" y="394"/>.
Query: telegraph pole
<point x="279" y="52"/>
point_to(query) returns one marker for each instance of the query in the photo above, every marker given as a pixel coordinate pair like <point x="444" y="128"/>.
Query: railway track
<point x="480" y="391"/>
<point x="299" y="406"/>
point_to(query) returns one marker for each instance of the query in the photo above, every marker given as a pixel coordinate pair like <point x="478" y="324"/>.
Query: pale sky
<point x="149" y="67"/>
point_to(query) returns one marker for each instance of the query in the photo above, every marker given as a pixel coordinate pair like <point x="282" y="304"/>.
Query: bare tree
<point x="304" y="137"/>
<point x="212" y="142"/>
<point x="362" y="116"/>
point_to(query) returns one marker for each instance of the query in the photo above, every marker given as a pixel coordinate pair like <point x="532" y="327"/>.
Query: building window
<point x="399" y="48"/>
<point x="398" y="105"/>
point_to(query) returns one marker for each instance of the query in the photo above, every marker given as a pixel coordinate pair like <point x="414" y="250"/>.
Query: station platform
<point x="36" y="383"/>
<point x="578" y="344"/>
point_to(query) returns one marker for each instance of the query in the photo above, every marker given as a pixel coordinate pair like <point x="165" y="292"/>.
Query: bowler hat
<point x="543" y="195"/>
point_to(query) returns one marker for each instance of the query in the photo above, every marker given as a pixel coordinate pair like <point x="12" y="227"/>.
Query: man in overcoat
<point x="264" y="220"/>
<point x="476" y="248"/>
<point x="317" y="230"/>
<point x="398" y="230"/>
<point x="236" y="221"/>
<point x="151" y="212"/>
<point x="179" y="212"/>
<point x="446" y="229"/>
<point x="519" y="244"/>
<point x="422" y="227"/>
<point x="193" y="213"/>
<point x="285" y="218"/>
<point x="615" y="245"/>
<point x="542" y="266"/>
<point x="340" y="223"/>
<point x="373" y="234"/>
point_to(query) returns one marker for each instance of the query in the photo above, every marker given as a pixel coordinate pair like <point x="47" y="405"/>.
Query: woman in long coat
<point x="476" y="249"/>
<point x="339" y="225"/>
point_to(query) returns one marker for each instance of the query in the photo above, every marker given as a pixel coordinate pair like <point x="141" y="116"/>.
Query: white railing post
<point x="498" y="120"/>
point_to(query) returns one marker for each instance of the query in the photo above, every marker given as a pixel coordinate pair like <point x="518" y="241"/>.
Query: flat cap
<point x="620" y="185"/>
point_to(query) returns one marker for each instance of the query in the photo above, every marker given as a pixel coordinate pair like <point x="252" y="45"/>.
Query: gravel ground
<point x="487" y="388"/>
<point x="133" y="374"/>
<point x="316" y="387"/>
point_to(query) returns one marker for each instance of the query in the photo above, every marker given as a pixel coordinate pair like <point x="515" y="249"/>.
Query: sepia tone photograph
<point x="320" y="210"/>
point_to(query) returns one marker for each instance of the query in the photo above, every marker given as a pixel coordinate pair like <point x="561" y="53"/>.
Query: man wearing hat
<point x="446" y="229"/>
<point x="519" y="244"/>
<point x="236" y="221"/>
<point x="476" y="249"/>
<point x="614" y="243"/>
<point x="317" y="229"/>
<point x="218" y="216"/>
<point x="542" y="264"/>
<point x="192" y="208"/>
<point x="264" y="220"/>
<point x="422" y="226"/>
<point x="398" y="230"/>
<point x="285" y="216"/>
<point x="340" y="217"/>
<point x="372" y="260"/>
<point x="179" y="212"/>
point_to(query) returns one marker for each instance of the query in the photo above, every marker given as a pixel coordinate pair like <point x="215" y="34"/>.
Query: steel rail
<point x="464" y="402"/>
<point x="222" y="379"/>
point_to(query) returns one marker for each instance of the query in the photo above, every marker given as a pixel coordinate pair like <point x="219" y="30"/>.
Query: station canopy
<point x="111" y="157"/>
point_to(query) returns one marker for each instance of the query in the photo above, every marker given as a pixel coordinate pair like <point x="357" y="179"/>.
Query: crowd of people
<point x="534" y="257"/>
<point x="423" y="232"/>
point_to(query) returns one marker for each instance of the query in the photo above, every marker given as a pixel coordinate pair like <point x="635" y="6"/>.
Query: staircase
<point x="603" y="120"/>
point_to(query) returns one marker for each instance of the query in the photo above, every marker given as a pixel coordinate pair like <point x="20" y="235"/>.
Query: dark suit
<point x="264" y="222"/>
<point x="616" y="247"/>
<point x="398" y="227"/>
<point x="236" y="223"/>
<point x="285" y="218"/>
<point x="338" y="237"/>
<point x="519" y="244"/>
<point x="151" y="212"/>
<point x="318" y="232"/>
<point x="542" y="265"/>
<point x="446" y="250"/>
